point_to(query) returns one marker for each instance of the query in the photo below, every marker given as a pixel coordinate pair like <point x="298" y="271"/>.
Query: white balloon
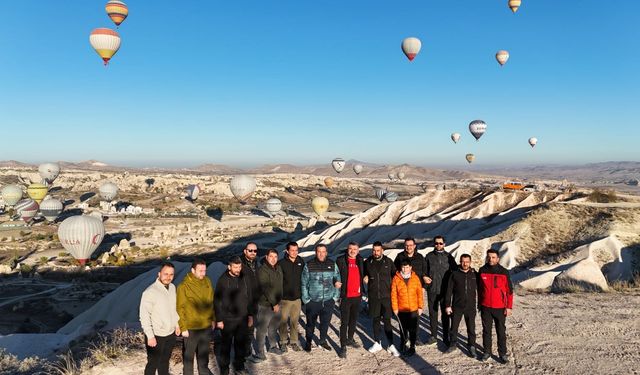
<point x="455" y="137"/>
<point x="477" y="128"/>
<point x="81" y="235"/>
<point x="357" y="168"/>
<point x="193" y="191"/>
<point x="533" y="141"/>
<point x="51" y="208"/>
<point x="411" y="47"/>
<point x="242" y="187"/>
<point x="273" y="205"/>
<point x="108" y="191"/>
<point x="400" y="175"/>
<point x="11" y="194"/>
<point x="49" y="172"/>
<point x="338" y="164"/>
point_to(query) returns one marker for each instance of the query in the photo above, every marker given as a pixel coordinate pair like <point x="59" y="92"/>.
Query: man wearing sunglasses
<point x="250" y="272"/>
<point x="439" y="264"/>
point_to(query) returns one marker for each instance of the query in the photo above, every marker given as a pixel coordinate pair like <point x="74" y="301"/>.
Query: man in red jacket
<point x="495" y="301"/>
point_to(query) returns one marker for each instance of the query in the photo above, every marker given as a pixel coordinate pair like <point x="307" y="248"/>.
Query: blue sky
<point x="253" y="82"/>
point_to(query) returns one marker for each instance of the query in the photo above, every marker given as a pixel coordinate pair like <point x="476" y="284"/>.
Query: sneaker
<point x="352" y="343"/>
<point x="472" y="352"/>
<point x="375" y="348"/>
<point x="275" y="350"/>
<point x="307" y="347"/>
<point x="393" y="351"/>
<point x="504" y="359"/>
<point x="257" y="358"/>
<point x="431" y="341"/>
<point x="485" y="357"/>
<point x="325" y="345"/>
<point x="410" y="352"/>
<point x="451" y="349"/>
<point x="342" y="353"/>
<point x="283" y="348"/>
<point x="295" y="347"/>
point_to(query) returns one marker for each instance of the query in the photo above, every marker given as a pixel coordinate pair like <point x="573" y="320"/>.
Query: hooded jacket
<point x="232" y="298"/>
<point x="195" y="303"/>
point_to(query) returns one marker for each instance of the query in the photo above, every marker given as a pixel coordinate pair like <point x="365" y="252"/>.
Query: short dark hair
<point x="166" y="263"/>
<point x="198" y="261"/>
<point x="320" y="245"/>
<point x="353" y="243"/>
<point x="274" y="251"/>
<point x="410" y="239"/>
<point x="250" y="243"/>
<point x="235" y="260"/>
<point x="439" y="238"/>
<point x="493" y="251"/>
<point x="465" y="256"/>
<point x="291" y="244"/>
<point x="405" y="262"/>
<point x="377" y="243"/>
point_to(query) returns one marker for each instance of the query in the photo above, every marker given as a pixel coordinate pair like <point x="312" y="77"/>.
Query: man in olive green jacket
<point x="195" y="309"/>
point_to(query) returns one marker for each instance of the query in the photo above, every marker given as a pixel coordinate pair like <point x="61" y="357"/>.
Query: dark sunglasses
<point x="252" y="251"/>
<point x="439" y="243"/>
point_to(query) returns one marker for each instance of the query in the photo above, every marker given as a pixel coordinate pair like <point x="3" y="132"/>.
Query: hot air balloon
<point x="357" y="168"/>
<point x="117" y="11"/>
<point x="106" y="42"/>
<point x="192" y="192"/>
<point x="108" y="191"/>
<point x="533" y="141"/>
<point x="273" y="205"/>
<point x="477" y="128"/>
<point x="502" y="56"/>
<point x="48" y="172"/>
<point x="328" y="182"/>
<point x="338" y="164"/>
<point x="27" y="209"/>
<point x="400" y="175"/>
<point x="411" y="47"/>
<point x="391" y="196"/>
<point x="37" y="192"/>
<point x="320" y="205"/>
<point x="514" y="5"/>
<point x="380" y="193"/>
<point x="391" y="176"/>
<point x="242" y="187"/>
<point x="11" y="194"/>
<point x="455" y="137"/>
<point x="470" y="158"/>
<point x="81" y="235"/>
<point x="51" y="208"/>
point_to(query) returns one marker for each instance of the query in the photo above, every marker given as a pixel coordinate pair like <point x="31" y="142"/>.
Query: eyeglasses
<point x="252" y="250"/>
<point x="439" y="243"/>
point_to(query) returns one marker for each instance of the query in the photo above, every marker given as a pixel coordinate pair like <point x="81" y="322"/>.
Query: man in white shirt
<point x="159" y="320"/>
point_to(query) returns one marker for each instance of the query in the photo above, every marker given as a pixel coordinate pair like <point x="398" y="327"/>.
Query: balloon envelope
<point x="514" y="5"/>
<point x="380" y="193"/>
<point x="391" y="176"/>
<point x="37" y="192"/>
<point x="27" y="209"/>
<point x="400" y="175"/>
<point x="242" y="187"/>
<point x="357" y="168"/>
<point x="533" y="141"/>
<point x="106" y="42"/>
<point x="108" y="191"/>
<point x="455" y="137"/>
<point x="338" y="164"/>
<point x="391" y="196"/>
<point x="117" y="10"/>
<point x="470" y="158"/>
<point x="273" y="205"/>
<point x="477" y="128"/>
<point x="328" y="182"/>
<point x="81" y="235"/>
<point x="411" y="47"/>
<point x="193" y="191"/>
<point x="49" y="172"/>
<point x="320" y="205"/>
<point x="51" y="208"/>
<point x="11" y="194"/>
<point x="502" y="56"/>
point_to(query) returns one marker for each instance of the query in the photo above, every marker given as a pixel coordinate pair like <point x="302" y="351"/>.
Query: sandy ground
<point x="548" y="334"/>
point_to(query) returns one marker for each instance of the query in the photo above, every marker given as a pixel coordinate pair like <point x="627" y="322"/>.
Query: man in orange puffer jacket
<point x="407" y="303"/>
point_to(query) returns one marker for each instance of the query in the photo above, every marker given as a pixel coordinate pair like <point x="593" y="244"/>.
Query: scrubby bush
<point x="11" y="365"/>
<point x="602" y="196"/>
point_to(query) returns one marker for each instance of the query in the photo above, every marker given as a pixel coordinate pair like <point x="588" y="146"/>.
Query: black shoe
<point x="283" y="348"/>
<point x="472" y="352"/>
<point x="419" y="342"/>
<point x="342" y="353"/>
<point x="432" y="341"/>
<point x="241" y="372"/>
<point x="257" y="358"/>
<point x="504" y="359"/>
<point x="295" y="347"/>
<point x="352" y="343"/>
<point x="485" y="357"/>
<point x="307" y="347"/>
<point x="325" y="345"/>
<point x="451" y="349"/>
<point x="410" y="352"/>
<point x="275" y="350"/>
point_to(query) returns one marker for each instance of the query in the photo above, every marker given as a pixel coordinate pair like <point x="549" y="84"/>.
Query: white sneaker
<point x="393" y="351"/>
<point x="375" y="348"/>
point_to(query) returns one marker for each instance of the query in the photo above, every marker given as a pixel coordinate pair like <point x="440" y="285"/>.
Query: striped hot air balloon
<point x="411" y="47"/>
<point x="51" y="208"/>
<point x="81" y="235"/>
<point x="27" y="209"/>
<point x="380" y="193"/>
<point x="502" y="56"/>
<point x="106" y="42"/>
<point x="391" y="196"/>
<point x="117" y="10"/>
<point x="11" y="194"/>
<point x="37" y="192"/>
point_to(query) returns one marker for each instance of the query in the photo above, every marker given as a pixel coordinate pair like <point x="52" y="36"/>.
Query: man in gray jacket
<point x="159" y="320"/>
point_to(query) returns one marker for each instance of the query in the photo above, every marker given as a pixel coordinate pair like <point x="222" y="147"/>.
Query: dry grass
<point x="11" y="365"/>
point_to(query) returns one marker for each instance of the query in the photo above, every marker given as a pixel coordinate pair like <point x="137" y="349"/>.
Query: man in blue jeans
<point x="320" y="291"/>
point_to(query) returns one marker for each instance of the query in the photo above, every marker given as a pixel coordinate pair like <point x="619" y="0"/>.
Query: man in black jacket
<point x="234" y="315"/>
<point x="460" y="300"/>
<point x="439" y="264"/>
<point x="250" y="271"/>
<point x="418" y="265"/>
<point x="290" y="306"/>
<point x="351" y="267"/>
<point x="378" y="273"/>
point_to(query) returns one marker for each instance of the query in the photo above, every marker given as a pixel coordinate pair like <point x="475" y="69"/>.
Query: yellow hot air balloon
<point x="514" y="5"/>
<point x="320" y="205"/>
<point x="328" y="182"/>
<point x="106" y="42"/>
<point x="117" y="10"/>
<point x="470" y="158"/>
<point x="502" y="56"/>
<point x="37" y="192"/>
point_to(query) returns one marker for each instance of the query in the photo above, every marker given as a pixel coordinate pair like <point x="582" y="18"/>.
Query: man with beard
<point x="460" y="301"/>
<point x="351" y="269"/>
<point x="290" y="306"/>
<point x="250" y="272"/>
<point x="438" y="265"/>
<point x="418" y="266"/>
<point x="270" y="280"/>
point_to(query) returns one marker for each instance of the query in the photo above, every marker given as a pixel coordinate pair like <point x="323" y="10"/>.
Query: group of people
<point x="261" y="303"/>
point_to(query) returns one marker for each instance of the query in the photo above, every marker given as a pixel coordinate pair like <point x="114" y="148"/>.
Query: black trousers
<point x="469" y="315"/>
<point x="380" y="311"/>
<point x="324" y="310"/>
<point x="436" y="302"/>
<point x="158" y="356"/>
<point x="490" y="316"/>
<point x="349" y="309"/>
<point x="409" y="322"/>
<point x="197" y="344"/>
<point x="234" y="333"/>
